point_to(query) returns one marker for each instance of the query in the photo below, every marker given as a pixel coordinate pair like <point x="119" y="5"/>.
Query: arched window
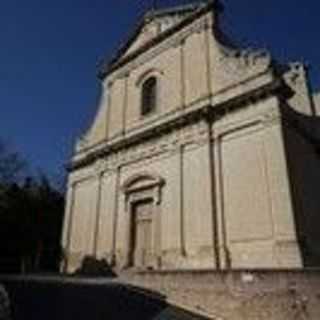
<point x="149" y="96"/>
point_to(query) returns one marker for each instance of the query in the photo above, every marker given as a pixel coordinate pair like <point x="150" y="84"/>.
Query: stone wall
<point x="189" y="295"/>
<point x="192" y="227"/>
<point x="304" y="175"/>
<point x="54" y="297"/>
<point x="238" y="294"/>
<point x="217" y="128"/>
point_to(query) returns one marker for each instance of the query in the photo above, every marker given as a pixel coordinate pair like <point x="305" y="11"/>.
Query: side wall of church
<point x="304" y="164"/>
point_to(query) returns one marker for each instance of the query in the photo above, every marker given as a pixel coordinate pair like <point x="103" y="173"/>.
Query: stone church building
<point x="202" y="155"/>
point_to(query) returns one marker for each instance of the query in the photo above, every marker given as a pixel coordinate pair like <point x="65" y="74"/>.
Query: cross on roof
<point x="154" y="4"/>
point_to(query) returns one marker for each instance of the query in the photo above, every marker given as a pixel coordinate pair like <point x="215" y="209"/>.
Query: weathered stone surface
<point x="57" y="298"/>
<point x="185" y="295"/>
<point x="233" y="140"/>
<point x="239" y="295"/>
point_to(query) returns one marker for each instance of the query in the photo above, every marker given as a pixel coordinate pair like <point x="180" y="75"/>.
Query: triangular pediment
<point x="154" y="23"/>
<point x="157" y="22"/>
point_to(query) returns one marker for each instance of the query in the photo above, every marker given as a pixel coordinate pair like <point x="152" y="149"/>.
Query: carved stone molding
<point x="150" y="72"/>
<point x="169" y="43"/>
<point x="271" y="118"/>
<point x="100" y="167"/>
<point x="245" y="60"/>
<point x="164" y="134"/>
<point x="295" y="74"/>
<point x="143" y="186"/>
<point x="162" y="144"/>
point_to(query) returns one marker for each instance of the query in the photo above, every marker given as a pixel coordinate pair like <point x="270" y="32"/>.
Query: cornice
<point x="209" y="109"/>
<point x="169" y="43"/>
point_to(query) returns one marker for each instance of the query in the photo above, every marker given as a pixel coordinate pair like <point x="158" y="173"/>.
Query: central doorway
<point x="141" y="234"/>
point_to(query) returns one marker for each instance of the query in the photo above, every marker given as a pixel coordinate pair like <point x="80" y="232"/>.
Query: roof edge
<point x="114" y="63"/>
<point x="154" y="13"/>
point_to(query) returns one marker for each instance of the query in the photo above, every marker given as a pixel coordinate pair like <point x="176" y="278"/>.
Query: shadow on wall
<point x="301" y="134"/>
<point x="60" y="299"/>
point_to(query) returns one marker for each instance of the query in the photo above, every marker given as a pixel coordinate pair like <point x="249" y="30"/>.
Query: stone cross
<point x="154" y="4"/>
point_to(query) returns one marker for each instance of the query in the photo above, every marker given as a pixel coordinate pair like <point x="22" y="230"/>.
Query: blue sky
<point x="50" y="51"/>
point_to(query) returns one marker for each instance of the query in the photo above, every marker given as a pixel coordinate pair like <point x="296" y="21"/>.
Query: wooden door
<point x="142" y="234"/>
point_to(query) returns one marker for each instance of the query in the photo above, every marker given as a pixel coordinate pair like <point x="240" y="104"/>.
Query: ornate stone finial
<point x="152" y="7"/>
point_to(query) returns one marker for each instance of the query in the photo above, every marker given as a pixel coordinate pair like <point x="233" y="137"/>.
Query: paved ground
<point x="56" y="298"/>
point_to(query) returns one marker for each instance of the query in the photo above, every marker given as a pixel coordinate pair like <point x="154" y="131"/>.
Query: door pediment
<point x="142" y="186"/>
<point x="142" y="181"/>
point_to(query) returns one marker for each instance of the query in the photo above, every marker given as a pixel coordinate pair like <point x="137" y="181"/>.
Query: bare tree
<point x="4" y="304"/>
<point x="11" y="165"/>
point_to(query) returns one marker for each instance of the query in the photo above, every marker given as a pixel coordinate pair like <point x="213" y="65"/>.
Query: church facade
<point x="202" y="155"/>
